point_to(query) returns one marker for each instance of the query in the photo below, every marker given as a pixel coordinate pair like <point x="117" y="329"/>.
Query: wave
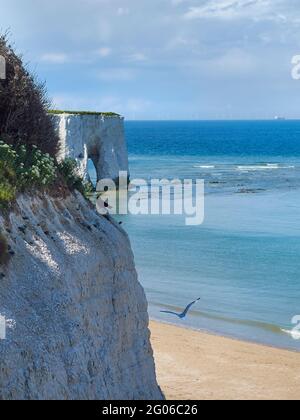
<point x="205" y="166"/>
<point x="275" y="329"/>
<point x="265" y="167"/>
<point x="246" y="168"/>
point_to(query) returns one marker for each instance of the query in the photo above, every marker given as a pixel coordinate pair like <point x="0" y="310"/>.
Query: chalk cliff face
<point x="98" y="137"/>
<point x="81" y="323"/>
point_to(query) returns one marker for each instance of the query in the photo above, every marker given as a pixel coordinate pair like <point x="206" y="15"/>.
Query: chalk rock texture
<point x="77" y="316"/>
<point x="96" y="137"/>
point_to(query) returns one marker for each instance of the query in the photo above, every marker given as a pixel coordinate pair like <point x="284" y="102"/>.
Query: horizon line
<point x="213" y="119"/>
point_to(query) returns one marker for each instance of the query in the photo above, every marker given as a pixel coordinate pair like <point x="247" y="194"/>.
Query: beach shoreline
<point x="207" y="331"/>
<point x="195" y="365"/>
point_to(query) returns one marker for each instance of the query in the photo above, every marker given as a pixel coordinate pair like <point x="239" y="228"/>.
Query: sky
<point x="162" y="59"/>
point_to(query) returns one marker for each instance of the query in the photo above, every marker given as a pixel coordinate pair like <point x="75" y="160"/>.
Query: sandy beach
<point x="194" y="365"/>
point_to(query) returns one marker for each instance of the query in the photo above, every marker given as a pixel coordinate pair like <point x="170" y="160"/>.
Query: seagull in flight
<point x="184" y="313"/>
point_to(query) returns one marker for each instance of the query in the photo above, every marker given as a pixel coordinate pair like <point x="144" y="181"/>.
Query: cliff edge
<point x="79" y="315"/>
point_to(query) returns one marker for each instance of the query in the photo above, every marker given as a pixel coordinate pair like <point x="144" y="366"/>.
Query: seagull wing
<point x="185" y="312"/>
<point x="169" y="312"/>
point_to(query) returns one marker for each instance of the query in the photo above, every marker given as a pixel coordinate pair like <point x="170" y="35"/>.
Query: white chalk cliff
<point x="81" y="323"/>
<point x="100" y="138"/>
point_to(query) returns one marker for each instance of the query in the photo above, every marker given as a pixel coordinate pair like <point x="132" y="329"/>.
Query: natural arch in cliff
<point x="94" y="163"/>
<point x="96" y="137"/>
<point x="92" y="172"/>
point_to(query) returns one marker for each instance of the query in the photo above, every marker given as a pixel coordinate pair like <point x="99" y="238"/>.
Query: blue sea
<point x="244" y="261"/>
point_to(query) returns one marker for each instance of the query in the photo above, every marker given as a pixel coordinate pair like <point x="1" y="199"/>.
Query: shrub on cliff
<point x="4" y="252"/>
<point x="24" y="105"/>
<point x="69" y="172"/>
<point x="22" y="169"/>
<point x="8" y="176"/>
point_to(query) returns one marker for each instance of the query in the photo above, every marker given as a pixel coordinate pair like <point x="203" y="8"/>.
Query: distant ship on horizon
<point x="279" y="118"/>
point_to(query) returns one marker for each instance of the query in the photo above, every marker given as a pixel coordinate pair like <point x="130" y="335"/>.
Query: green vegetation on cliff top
<point x="102" y="114"/>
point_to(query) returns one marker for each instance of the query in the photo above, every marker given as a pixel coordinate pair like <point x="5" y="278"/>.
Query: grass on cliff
<point x="102" y="114"/>
<point x="25" y="169"/>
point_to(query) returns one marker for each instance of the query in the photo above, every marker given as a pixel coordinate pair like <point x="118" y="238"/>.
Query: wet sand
<point x="193" y="365"/>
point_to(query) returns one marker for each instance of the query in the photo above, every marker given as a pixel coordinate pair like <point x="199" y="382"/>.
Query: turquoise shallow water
<point x="242" y="263"/>
<point x="244" y="260"/>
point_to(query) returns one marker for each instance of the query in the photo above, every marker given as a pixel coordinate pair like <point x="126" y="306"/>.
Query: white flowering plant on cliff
<point x="36" y="168"/>
<point x="27" y="168"/>
<point x="23" y="168"/>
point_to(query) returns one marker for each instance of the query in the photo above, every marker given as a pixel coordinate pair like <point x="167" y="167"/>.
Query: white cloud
<point x="137" y="57"/>
<point x="275" y="10"/>
<point x="265" y="38"/>
<point x="116" y="74"/>
<point x="132" y="106"/>
<point x="181" y="42"/>
<point x="55" y="58"/>
<point x="232" y="65"/>
<point x="63" y="100"/>
<point x="177" y="2"/>
<point x="234" y="62"/>
<point x="123" y="11"/>
<point x="191" y="49"/>
<point x="137" y="105"/>
<point x="104" y="51"/>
